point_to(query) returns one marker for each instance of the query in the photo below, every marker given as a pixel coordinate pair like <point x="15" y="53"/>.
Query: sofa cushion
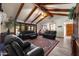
<point x="28" y="35"/>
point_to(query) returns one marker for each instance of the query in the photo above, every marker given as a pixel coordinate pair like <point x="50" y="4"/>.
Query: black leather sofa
<point x="50" y="35"/>
<point x="28" y="35"/>
<point x="14" y="46"/>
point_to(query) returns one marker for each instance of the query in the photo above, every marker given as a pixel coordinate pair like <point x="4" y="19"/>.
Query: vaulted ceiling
<point x="35" y="12"/>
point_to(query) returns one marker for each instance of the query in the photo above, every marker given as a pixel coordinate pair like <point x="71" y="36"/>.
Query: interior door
<point x="69" y="29"/>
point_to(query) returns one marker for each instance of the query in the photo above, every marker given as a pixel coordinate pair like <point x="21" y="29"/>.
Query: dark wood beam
<point x="19" y="10"/>
<point x="43" y="9"/>
<point x="61" y="14"/>
<point x="58" y="10"/>
<point x="36" y="18"/>
<point x="51" y="3"/>
<point x="41" y="19"/>
<point x="30" y="13"/>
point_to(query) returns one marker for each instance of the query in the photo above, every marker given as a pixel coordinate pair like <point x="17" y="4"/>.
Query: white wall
<point x="58" y="20"/>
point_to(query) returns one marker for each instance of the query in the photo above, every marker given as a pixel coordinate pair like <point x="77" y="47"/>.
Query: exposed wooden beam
<point x="59" y="10"/>
<point x="30" y="13"/>
<point x="61" y="14"/>
<point x="43" y="9"/>
<point x="36" y="18"/>
<point x="19" y="10"/>
<point x="41" y="19"/>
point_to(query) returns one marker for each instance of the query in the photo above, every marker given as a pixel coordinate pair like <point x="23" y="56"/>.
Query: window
<point x="29" y="28"/>
<point x="32" y="28"/>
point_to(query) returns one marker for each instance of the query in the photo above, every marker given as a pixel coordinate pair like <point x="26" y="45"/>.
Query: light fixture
<point x="43" y="14"/>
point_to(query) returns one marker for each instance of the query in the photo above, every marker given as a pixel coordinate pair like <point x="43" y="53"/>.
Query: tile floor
<point x="63" y="48"/>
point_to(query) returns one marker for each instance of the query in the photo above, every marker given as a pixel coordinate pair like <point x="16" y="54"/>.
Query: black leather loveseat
<point x="50" y="35"/>
<point x="14" y="46"/>
<point x="28" y="35"/>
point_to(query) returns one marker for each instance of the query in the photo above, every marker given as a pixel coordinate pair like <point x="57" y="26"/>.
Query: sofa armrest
<point x="26" y="45"/>
<point x="36" y="52"/>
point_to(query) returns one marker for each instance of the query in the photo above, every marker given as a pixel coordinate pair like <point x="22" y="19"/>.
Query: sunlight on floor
<point x="63" y="48"/>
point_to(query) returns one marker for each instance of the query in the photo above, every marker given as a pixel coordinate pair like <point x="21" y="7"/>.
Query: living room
<point x="47" y="29"/>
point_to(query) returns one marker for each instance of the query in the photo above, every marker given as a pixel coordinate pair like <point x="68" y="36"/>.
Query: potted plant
<point x="71" y="12"/>
<point x="9" y="24"/>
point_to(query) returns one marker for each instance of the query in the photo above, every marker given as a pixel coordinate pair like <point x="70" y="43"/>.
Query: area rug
<point x="47" y="44"/>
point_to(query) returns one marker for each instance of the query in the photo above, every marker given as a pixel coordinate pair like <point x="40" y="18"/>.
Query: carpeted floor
<point x="47" y="44"/>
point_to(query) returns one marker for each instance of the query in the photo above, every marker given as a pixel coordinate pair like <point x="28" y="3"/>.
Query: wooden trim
<point x="36" y="18"/>
<point x="30" y="13"/>
<point x="41" y="19"/>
